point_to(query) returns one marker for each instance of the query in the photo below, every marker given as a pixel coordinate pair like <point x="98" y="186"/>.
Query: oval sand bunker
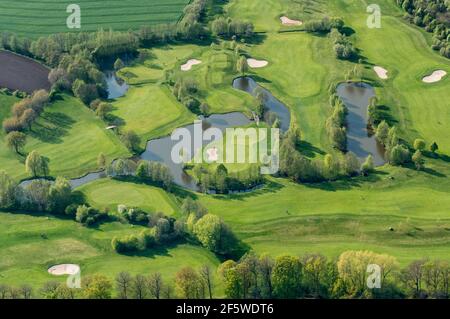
<point x="189" y="64"/>
<point x="289" y="22"/>
<point x="436" y="76"/>
<point x="253" y="63"/>
<point x="64" y="269"/>
<point x="381" y="72"/>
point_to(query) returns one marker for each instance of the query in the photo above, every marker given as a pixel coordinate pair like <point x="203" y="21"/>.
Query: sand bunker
<point x="253" y="63"/>
<point x="436" y="76"/>
<point x="381" y="72"/>
<point x="64" y="269"/>
<point x="289" y="22"/>
<point x="189" y="64"/>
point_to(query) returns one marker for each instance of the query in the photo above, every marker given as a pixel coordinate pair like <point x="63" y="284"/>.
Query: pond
<point x="116" y="86"/>
<point x="361" y="140"/>
<point x="272" y="104"/>
<point x="160" y="150"/>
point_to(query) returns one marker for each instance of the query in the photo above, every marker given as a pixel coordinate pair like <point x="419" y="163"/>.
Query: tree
<point x="139" y="287"/>
<point x="155" y="285"/>
<point x="26" y="291"/>
<point x="36" y="165"/>
<point x="368" y="166"/>
<point x="242" y="65"/>
<point x="16" y="140"/>
<point x="8" y="190"/>
<point x="211" y="231"/>
<point x="205" y="274"/>
<point x="96" y="287"/>
<point x="434" y="147"/>
<point x="59" y="196"/>
<point x="419" y="144"/>
<point x="103" y="109"/>
<point x="131" y="140"/>
<point x="101" y="161"/>
<point x="188" y="284"/>
<point x="265" y="269"/>
<point x="28" y="117"/>
<point x="399" y="155"/>
<point x="287" y="277"/>
<point x="315" y="272"/>
<point x="118" y="64"/>
<point x="418" y="160"/>
<point x="382" y="132"/>
<point x="123" y="284"/>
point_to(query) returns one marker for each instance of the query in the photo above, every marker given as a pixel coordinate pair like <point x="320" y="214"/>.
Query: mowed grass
<point x="69" y="135"/>
<point x="109" y="193"/>
<point x="330" y="218"/>
<point x="25" y="255"/>
<point x="36" y="18"/>
<point x="151" y="111"/>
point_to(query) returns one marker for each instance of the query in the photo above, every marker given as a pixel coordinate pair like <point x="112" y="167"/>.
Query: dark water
<point x="160" y="150"/>
<point x="361" y="141"/>
<point x="116" y="86"/>
<point x="249" y="85"/>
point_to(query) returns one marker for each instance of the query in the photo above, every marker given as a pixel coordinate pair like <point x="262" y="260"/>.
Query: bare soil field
<point x="21" y="73"/>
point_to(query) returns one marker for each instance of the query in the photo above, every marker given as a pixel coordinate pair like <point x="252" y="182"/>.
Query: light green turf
<point x="37" y="18"/>
<point x="25" y="256"/>
<point x="151" y="111"/>
<point x="111" y="193"/>
<point x="71" y="136"/>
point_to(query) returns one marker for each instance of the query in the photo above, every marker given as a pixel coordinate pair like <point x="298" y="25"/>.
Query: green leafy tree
<point x="419" y="144"/>
<point x="8" y="190"/>
<point x="16" y="140"/>
<point x="36" y="165"/>
<point x="96" y="287"/>
<point x="434" y="147"/>
<point x="131" y="140"/>
<point x="418" y="160"/>
<point x="287" y="277"/>
<point x="368" y="166"/>
<point x="101" y="161"/>
<point x="242" y="65"/>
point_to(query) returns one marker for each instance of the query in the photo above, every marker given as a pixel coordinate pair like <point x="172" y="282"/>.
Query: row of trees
<point x="343" y="47"/>
<point x="221" y="181"/>
<point x="262" y="277"/>
<point x="299" y="168"/>
<point x="228" y="28"/>
<point x="336" y="124"/>
<point x="433" y="17"/>
<point x="26" y="111"/>
<point x="37" y="195"/>
<point x="396" y="152"/>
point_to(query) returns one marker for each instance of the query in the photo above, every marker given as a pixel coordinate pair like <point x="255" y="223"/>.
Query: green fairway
<point x="70" y="135"/>
<point x="25" y="256"/>
<point x="109" y="193"/>
<point x="32" y="18"/>
<point x="151" y="111"/>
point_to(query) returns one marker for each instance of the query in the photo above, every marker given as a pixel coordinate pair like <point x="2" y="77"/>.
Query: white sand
<point x="289" y="22"/>
<point x="189" y="64"/>
<point x="64" y="269"/>
<point x="381" y="72"/>
<point x="253" y="63"/>
<point x="436" y="76"/>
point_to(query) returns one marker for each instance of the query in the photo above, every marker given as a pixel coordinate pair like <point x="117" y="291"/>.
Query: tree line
<point x="433" y="17"/>
<point x="351" y="275"/>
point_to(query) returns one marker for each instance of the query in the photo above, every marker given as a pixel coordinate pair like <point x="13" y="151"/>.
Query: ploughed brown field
<point x="21" y="73"/>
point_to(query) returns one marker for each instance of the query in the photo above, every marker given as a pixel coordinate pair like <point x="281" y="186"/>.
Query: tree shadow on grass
<point x="347" y="183"/>
<point x="52" y="127"/>
<point x="433" y="172"/>
<point x="309" y="150"/>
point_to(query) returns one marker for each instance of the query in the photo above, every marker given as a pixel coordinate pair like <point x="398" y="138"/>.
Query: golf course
<point x="400" y="209"/>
